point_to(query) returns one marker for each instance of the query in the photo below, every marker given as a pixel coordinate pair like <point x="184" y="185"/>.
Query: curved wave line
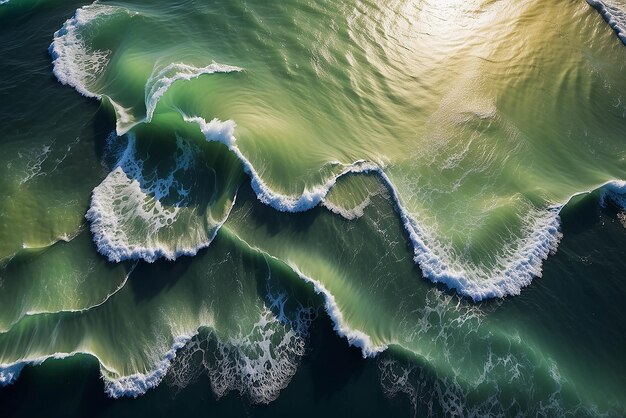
<point x="133" y="385"/>
<point x="355" y="337"/>
<point x="520" y="268"/>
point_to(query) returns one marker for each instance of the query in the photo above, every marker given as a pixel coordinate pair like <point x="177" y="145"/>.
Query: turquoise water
<point x="194" y="190"/>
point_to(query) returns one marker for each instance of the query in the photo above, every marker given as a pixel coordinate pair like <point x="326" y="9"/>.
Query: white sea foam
<point x="127" y="216"/>
<point x="10" y="373"/>
<point x="614" y="14"/>
<point x="256" y="364"/>
<point x="223" y="132"/>
<point x="34" y="160"/>
<point x="158" y="84"/>
<point x="74" y="63"/>
<point x="616" y="192"/>
<point x="139" y="383"/>
<point x="355" y="337"/>
<point x="514" y="271"/>
<point x="132" y="385"/>
<point x="260" y="364"/>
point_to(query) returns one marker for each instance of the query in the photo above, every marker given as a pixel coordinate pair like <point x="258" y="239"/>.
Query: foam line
<point x="73" y="63"/>
<point x="107" y="211"/>
<point x="42" y="312"/>
<point x="125" y="386"/>
<point x="158" y="84"/>
<point x="517" y="270"/>
<point x="162" y="80"/>
<point x="223" y="132"/>
<point x="139" y="383"/>
<point x="356" y="338"/>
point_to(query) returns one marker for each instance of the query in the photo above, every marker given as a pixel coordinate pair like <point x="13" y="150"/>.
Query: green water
<point x="241" y="174"/>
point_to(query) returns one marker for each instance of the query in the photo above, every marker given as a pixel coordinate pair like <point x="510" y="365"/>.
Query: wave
<point x="9" y="373"/>
<point x="157" y="85"/>
<point x="160" y="81"/>
<point x="223" y="132"/>
<point x="132" y="386"/>
<point x="356" y="338"/>
<point x="517" y="271"/>
<point x="139" y="383"/>
<point x="74" y="64"/>
<point x="614" y="191"/>
<point x="128" y="201"/>
<point x="614" y="16"/>
<point x="129" y="386"/>
<point x="250" y="363"/>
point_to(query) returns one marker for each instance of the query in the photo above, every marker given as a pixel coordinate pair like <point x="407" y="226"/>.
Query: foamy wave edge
<point x="68" y="50"/>
<point x="126" y="386"/>
<point x="615" y="17"/>
<point x="520" y="269"/>
<point x="70" y="54"/>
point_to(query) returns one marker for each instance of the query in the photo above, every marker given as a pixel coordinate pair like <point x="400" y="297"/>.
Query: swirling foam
<point x="126" y="201"/>
<point x="246" y="363"/>
<point x="74" y="64"/>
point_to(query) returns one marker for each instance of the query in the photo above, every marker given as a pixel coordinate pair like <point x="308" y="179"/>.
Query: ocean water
<point x="270" y="208"/>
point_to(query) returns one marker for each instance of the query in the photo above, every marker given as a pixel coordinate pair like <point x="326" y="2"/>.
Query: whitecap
<point x="127" y="216"/>
<point x="74" y="63"/>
